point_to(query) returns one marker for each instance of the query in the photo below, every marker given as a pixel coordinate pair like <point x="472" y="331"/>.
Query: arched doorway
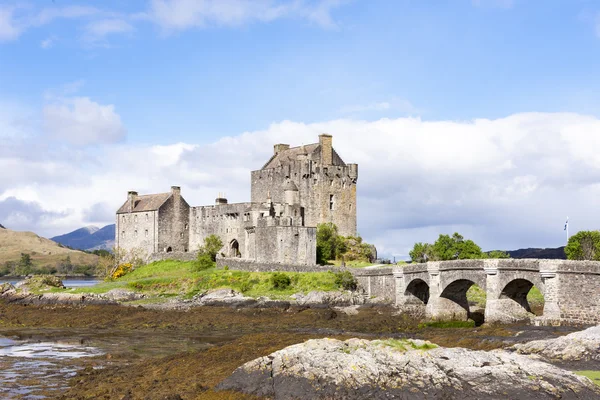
<point x="234" y="249"/>
<point x="169" y="249"/>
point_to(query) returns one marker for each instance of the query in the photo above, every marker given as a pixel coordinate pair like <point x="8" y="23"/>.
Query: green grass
<point x="177" y="278"/>
<point x="477" y="296"/>
<point x="351" y="264"/>
<point x="593" y="375"/>
<point x="405" y="344"/>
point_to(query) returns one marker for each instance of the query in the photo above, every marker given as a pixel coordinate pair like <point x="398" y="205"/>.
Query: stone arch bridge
<point x="571" y="289"/>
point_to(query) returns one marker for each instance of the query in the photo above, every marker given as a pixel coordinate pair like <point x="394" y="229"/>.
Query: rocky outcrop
<point x="361" y="369"/>
<point x="122" y="295"/>
<point x="22" y="295"/>
<point x="576" y="346"/>
<point x="346" y="298"/>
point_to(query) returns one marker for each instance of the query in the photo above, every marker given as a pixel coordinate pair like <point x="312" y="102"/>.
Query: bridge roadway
<point x="571" y="289"/>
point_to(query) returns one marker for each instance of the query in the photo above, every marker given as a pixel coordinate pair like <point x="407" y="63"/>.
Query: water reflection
<point x="68" y="282"/>
<point x="34" y="370"/>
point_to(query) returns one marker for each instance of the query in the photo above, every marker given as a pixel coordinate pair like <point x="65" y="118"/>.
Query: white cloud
<point x="173" y="15"/>
<point x="505" y="183"/>
<point x="81" y="121"/>
<point x="14" y="20"/>
<point x="48" y="42"/>
<point x="97" y="31"/>
<point x="9" y="28"/>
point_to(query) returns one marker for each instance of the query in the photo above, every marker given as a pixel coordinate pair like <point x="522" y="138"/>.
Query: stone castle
<point x="297" y="189"/>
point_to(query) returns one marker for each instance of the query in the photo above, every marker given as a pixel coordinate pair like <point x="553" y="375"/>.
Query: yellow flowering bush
<point x="121" y="270"/>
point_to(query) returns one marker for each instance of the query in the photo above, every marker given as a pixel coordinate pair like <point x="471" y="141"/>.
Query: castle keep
<point x="296" y="189"/>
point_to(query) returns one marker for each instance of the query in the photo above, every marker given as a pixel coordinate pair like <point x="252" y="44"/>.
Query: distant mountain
<point x="41" y="250"/>
<point x="89" y="238"/>
<point x="552" y="254"/>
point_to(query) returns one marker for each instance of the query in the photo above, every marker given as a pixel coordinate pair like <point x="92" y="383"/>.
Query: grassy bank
<point x="593" y="375"/>
<point x="178" y="278"/>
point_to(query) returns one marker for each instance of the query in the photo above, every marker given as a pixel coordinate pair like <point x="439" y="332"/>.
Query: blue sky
<point x="81" y="81"/>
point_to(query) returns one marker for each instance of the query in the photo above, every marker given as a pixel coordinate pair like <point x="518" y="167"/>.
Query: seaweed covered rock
<point x="403" y="369"/>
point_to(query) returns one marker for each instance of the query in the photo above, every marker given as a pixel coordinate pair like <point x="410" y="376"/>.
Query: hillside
<point x="552" y="254"/>
<point x="44" y="252"/>
<point x="89" y="238"/>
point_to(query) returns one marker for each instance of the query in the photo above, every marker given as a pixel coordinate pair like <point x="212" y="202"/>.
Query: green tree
<point x="447" y="247"/>
<point x="421" y="252"/>
<point x="207" y="253"/>
<point x="25" y="264"/>
<point x="212" y="245"/>
<point x="327" y="239"/>
<point x="585" y="245"/>
<point x="497" y="254"/>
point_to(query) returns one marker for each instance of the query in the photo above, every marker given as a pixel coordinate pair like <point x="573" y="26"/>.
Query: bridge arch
<point x="417" y="291"/>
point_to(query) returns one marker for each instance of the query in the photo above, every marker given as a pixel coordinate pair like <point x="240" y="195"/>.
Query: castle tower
<point x="326" y="185"/>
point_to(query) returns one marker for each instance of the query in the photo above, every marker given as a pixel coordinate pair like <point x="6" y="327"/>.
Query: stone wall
<point x="137" y="231"/>
<point x="377" y="282"/>
<point x="578" y="291"/>
<point x="253" y="266"/>
<point x="228" y="221"/>
<point x="286" y="244"/>
<point x="173" y="224"/>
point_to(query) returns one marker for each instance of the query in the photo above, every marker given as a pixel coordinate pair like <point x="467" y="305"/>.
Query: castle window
<point x="187" y="226"/>
<point x="135" y="218"/>
<point x="146" y="233"/>
<point x="181" y="235"/>
<point x="135" y="233"/>
<point x="123" y="234"/>
<point x="349" y="206"/>
<point x="123" y="218"/>
<point x="331" y="202"/>
<point x="147" y="217"/>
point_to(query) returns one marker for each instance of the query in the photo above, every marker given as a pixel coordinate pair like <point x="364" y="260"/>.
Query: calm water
<point x="38" y="363"/>
<point x="34" y="369"/>
<point x="68" y="282"/>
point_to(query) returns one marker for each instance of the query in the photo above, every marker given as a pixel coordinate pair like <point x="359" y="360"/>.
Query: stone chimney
<point x="326" y="142"/>
<point x="280" y="147"/>
<point x="221" y="199"/>
<point x="132" y="196"/>
<point x="176" y="191"/>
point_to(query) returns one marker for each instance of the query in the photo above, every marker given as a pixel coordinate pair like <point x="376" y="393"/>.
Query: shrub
<point x="204" y="261"/>
<point x="281" y="281"/>
<point x="345" y="280"/>
<point x="122" y="269"/>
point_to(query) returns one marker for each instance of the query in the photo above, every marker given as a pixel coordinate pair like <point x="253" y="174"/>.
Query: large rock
<point x="345" y="298"/>
<point x="221" y="297"/>
<point x="122" y="295"/>
<point x="361" y="369"/>
<point x="576" y="346"/>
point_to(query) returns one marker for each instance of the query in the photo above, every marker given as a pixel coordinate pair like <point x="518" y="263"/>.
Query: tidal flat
<point x="152" y="354"/>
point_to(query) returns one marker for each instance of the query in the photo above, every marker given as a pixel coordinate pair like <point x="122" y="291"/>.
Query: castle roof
<point x="291" y="154"/>
<point x="147" y="202"/>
